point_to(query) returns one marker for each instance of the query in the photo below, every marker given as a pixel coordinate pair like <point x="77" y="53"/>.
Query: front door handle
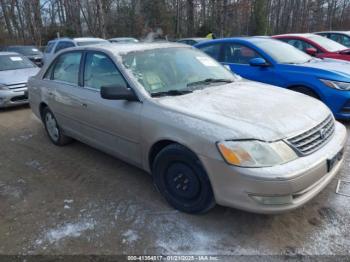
<point x="84" y="105"/>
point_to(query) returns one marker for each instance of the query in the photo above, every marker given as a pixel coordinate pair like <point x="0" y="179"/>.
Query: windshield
<point x="179" y="69"/>
<point x="97" y="42"/>
<point x="25" y="50"/>
<point x="13" y="62"/>
<point x="327" y="43"/>
<point x="282" y="52"/>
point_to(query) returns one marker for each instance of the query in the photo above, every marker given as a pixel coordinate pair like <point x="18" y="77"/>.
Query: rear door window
<point x="66" y="68"/>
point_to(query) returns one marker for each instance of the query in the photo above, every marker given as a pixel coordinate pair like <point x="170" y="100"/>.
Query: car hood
<point x="251" y="110"/>
<point x="339" y="67"/>
<point x="11" y="77"/>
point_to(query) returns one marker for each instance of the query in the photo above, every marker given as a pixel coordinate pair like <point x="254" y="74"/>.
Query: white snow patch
<point x="130" y="236"/>
<point x="67" y="230"/>
<point x="21" y="138"/>
<point x="34" y="164"/>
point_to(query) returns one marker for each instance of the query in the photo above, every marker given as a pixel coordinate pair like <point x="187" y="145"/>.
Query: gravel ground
<point x="77" y="200"/>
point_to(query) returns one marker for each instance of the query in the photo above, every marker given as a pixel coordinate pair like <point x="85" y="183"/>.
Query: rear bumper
<point x="298" y="181"/>
<point x="9" y="98"/>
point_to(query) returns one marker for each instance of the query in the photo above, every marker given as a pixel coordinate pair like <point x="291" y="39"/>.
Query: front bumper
<point x="300" y="180"/>
<point x="9" y="98"/>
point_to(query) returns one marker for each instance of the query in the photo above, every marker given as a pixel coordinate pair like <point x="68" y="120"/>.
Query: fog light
<point x="273" y="200"/>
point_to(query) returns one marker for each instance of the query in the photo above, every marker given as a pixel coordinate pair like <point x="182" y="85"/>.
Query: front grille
<point x="315" y="138"/>
<point x="17" y="86"/>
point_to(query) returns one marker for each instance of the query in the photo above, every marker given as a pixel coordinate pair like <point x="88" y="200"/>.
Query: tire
<point x="306" y="91"/>
<point x="182" y="180"/>
<point x="53" y="130"/>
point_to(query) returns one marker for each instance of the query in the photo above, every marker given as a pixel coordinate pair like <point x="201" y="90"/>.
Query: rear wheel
<point x="306" y="91"/>
<point x="53" y="130"/>
<point x="182" y="180"/>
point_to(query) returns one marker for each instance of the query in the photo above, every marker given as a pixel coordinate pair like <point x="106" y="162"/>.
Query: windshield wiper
<point x="171" y="93"/>
<point x="209" y="81"/>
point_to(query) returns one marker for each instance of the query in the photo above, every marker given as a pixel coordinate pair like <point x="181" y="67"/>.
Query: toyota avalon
<point x="206" y="135"/>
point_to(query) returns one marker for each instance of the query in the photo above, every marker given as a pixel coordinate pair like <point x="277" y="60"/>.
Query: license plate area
<point x="331" y="163"/>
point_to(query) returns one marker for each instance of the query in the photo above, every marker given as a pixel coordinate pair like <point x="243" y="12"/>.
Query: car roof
<point x="194" y="38"/>
<point x="252" y="39"/>
<point x="122" y="38"/>
<point x="21" y="46"/>
<point x="304" y="35"/>
<point x="131" y="47"/>
<point x="87" y="39"/>
<point x="334" y="32"/>
<point x="77" y="39"/>
<point x="8" y="53"/>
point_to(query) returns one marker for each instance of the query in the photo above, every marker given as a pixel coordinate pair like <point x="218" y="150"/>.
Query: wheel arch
<point x="159" y="146"/>
<point x="42" y="106"/>
<point x="294" y="87"/>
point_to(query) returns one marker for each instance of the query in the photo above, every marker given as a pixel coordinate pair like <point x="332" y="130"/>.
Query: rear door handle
<point x="84" y="105"/>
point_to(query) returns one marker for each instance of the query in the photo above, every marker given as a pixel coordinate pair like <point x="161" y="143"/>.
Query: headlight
<point x="254" y="153"/>
<point x="336" y="84"/>
<point x="3" y="87"/>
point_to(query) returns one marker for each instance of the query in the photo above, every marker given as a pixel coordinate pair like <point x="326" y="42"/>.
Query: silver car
<point x="206" y="136"/>
<point x="15" y="70"/>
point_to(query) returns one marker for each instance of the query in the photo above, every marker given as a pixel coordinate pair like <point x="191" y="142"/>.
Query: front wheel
<point x="53" y="130"/>
<point x="182" y="180"/>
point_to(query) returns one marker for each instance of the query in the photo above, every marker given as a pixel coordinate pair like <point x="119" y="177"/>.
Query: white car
<point x="15" y="70"/>
<point x="56" y="45"/>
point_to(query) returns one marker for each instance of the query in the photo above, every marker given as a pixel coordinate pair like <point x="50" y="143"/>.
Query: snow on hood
<point x="336" y="66"/>
<point x="19" y="76"/>
<point x="251" y="110"/>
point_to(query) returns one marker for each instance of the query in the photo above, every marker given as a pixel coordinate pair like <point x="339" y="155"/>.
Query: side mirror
<point x="118" y="92"/>
<point x="258" y="62"/>
<point x="311" y="51"/>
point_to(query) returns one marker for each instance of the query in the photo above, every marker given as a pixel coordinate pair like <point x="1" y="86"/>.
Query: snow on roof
<point x="298" y="34"/>
<point x="87" y="39"/>
<point x="131" y="47"/>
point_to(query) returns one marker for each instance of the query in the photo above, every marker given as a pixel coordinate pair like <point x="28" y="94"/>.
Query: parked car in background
<point x="31" y="52"/>
<point x="15" y="70"/>
<point x="123" y="40"/>
<point x="316" y="45"/>
<point x="59" y="44"/>
<point x="192" y="41"/>
<point x="342" y="37"/>
<point x="204" y="134"/>
<point x="280" y="64"/>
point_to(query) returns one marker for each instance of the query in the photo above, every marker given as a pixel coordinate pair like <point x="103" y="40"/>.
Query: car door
<point x="112" y="125"/>
<point x="63" y="91"/>
<point x="237" y="56"/>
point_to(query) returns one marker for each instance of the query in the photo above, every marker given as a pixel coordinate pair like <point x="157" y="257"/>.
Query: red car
<point x="316" y="45"/>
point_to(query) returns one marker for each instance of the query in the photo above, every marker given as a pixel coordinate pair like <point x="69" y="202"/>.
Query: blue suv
<point x="274" y="62"/>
